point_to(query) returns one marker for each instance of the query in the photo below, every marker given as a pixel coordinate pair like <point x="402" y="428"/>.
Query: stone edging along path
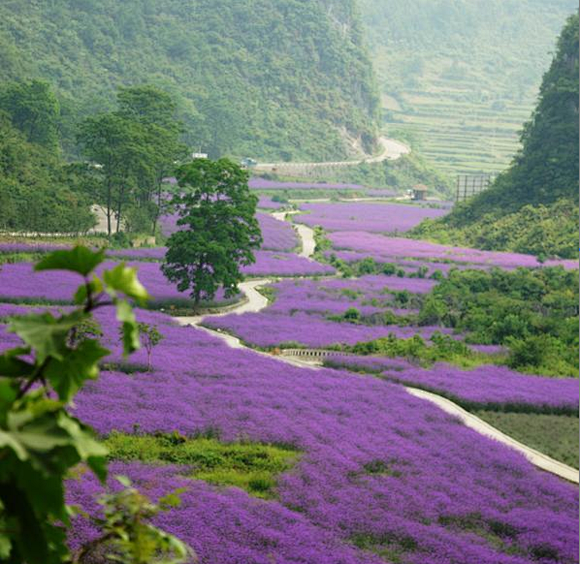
<point x="256" y="302"/>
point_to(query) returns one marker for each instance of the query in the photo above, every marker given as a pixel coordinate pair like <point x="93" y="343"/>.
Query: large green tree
<point x="218" y="229"/>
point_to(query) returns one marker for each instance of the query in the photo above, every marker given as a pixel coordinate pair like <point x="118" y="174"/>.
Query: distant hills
<point x="459" y="77"/>
<point x="533" y="206"/>
<point x="272" y="79"/>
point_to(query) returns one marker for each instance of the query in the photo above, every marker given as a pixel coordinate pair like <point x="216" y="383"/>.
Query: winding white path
<point x="305" y="233"/>
<point x="257" y="302"/>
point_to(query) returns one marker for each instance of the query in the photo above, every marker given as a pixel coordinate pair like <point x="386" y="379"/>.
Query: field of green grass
<point x="554" y="435"/>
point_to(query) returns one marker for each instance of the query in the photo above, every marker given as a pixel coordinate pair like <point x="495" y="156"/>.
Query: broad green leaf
<point x="130" y="329"/>
<point x="80" y="260"/>
<point x="18" y="504"/>
<point x="8" y="440"/>
<point x="85" y="444"/>
<point x="8" y="395"/>
<point x="45" y="333"/>
<point x="12" y="366"/>
<point x="69" y="374"/>
<point x="5" y="544"/>
<point x="123" y="279"/>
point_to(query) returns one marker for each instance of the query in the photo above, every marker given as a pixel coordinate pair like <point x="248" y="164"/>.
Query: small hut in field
<point x="420" y="192"/>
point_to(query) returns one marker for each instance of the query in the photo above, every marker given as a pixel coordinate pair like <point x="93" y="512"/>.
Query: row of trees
<point x="127" y="153"/>
<point x="130" y="152"/>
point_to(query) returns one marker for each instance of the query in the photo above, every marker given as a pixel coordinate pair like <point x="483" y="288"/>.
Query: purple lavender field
<point x="379" y="218"/>
<point x="434" y="472"/>
<point x="385" y="249"/>
<point x="485" y="387"/>
<point x="379" y="468"/>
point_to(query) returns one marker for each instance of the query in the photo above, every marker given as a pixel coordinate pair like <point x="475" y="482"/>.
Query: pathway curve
<point x="305" y="233"/>
<point x="391" y="150"/>
<point x="257" y="302"/>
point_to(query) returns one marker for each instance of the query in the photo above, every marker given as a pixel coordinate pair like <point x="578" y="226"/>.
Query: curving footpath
<point x="257" y="302"/>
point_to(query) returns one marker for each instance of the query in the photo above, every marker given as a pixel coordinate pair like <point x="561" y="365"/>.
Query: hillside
<point x="533" y="206"/>
<point x="459" y="77"/>
<point x="274" y="79"/>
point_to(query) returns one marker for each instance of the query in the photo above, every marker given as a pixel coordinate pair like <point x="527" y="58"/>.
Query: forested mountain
<point x="285" y="79"/>
<point x="461" y="76"/>
<point x="533" y="206"/>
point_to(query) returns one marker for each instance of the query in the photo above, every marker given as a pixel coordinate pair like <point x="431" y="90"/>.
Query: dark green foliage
<point x="217" y="211"/>
<point x="534" y="313"/>
<point x="442" y="348"/>
<point x="131" y="150"/>
<point x="533" y="206"/>
<point x="274" y="79"/>
<point x="542" y="230"/>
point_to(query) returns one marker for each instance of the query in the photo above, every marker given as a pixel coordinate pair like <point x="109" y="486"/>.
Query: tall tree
<point x="155" y="110"/>
<point x="119" y="150"/>
<point x="219" y="230"/>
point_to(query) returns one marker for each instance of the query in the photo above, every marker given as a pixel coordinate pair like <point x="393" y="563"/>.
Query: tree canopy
<point x="218" y="230"/>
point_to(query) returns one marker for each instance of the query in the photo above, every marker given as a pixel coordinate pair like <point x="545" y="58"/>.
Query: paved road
<point x="391" y="151"/>
<point x="257" y="302"/>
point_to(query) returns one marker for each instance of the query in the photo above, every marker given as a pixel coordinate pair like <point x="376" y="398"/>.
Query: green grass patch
<point x="252" y="467"/>
<point x="554" y="435"/>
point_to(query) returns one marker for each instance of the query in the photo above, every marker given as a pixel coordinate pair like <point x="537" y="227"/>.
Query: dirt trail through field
<point x="257" y="302"/>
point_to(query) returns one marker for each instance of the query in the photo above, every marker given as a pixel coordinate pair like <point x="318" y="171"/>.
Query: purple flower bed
<point x="433" y="473"/>
<point x="142" y="253"/>
<point x="258" y="183"/>
<point x="436" y="472"/>
<point x="266" y="330"/>
<point x="379" y="218"/>
<point x="277" y="235"/>
<point x="386" y="248"/>
<point x="336" y="296"/>
<point x="19" y="282"/>
<point x="494" y="386"/>
<point x="269" y="263"/>
<point x="267" y="203"/>
<point x="409" y="266"/>
<point x="13" y="248"/>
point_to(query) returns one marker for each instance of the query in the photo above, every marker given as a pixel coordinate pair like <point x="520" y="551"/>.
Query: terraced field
<point x="460" y="137"/>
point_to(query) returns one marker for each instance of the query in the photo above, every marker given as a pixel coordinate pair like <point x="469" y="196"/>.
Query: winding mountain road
<point x="391" y="150"/>
<point x="257" y="302"/>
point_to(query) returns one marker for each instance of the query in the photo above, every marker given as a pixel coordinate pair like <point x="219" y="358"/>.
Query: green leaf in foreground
<point x="80" y="260"/>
